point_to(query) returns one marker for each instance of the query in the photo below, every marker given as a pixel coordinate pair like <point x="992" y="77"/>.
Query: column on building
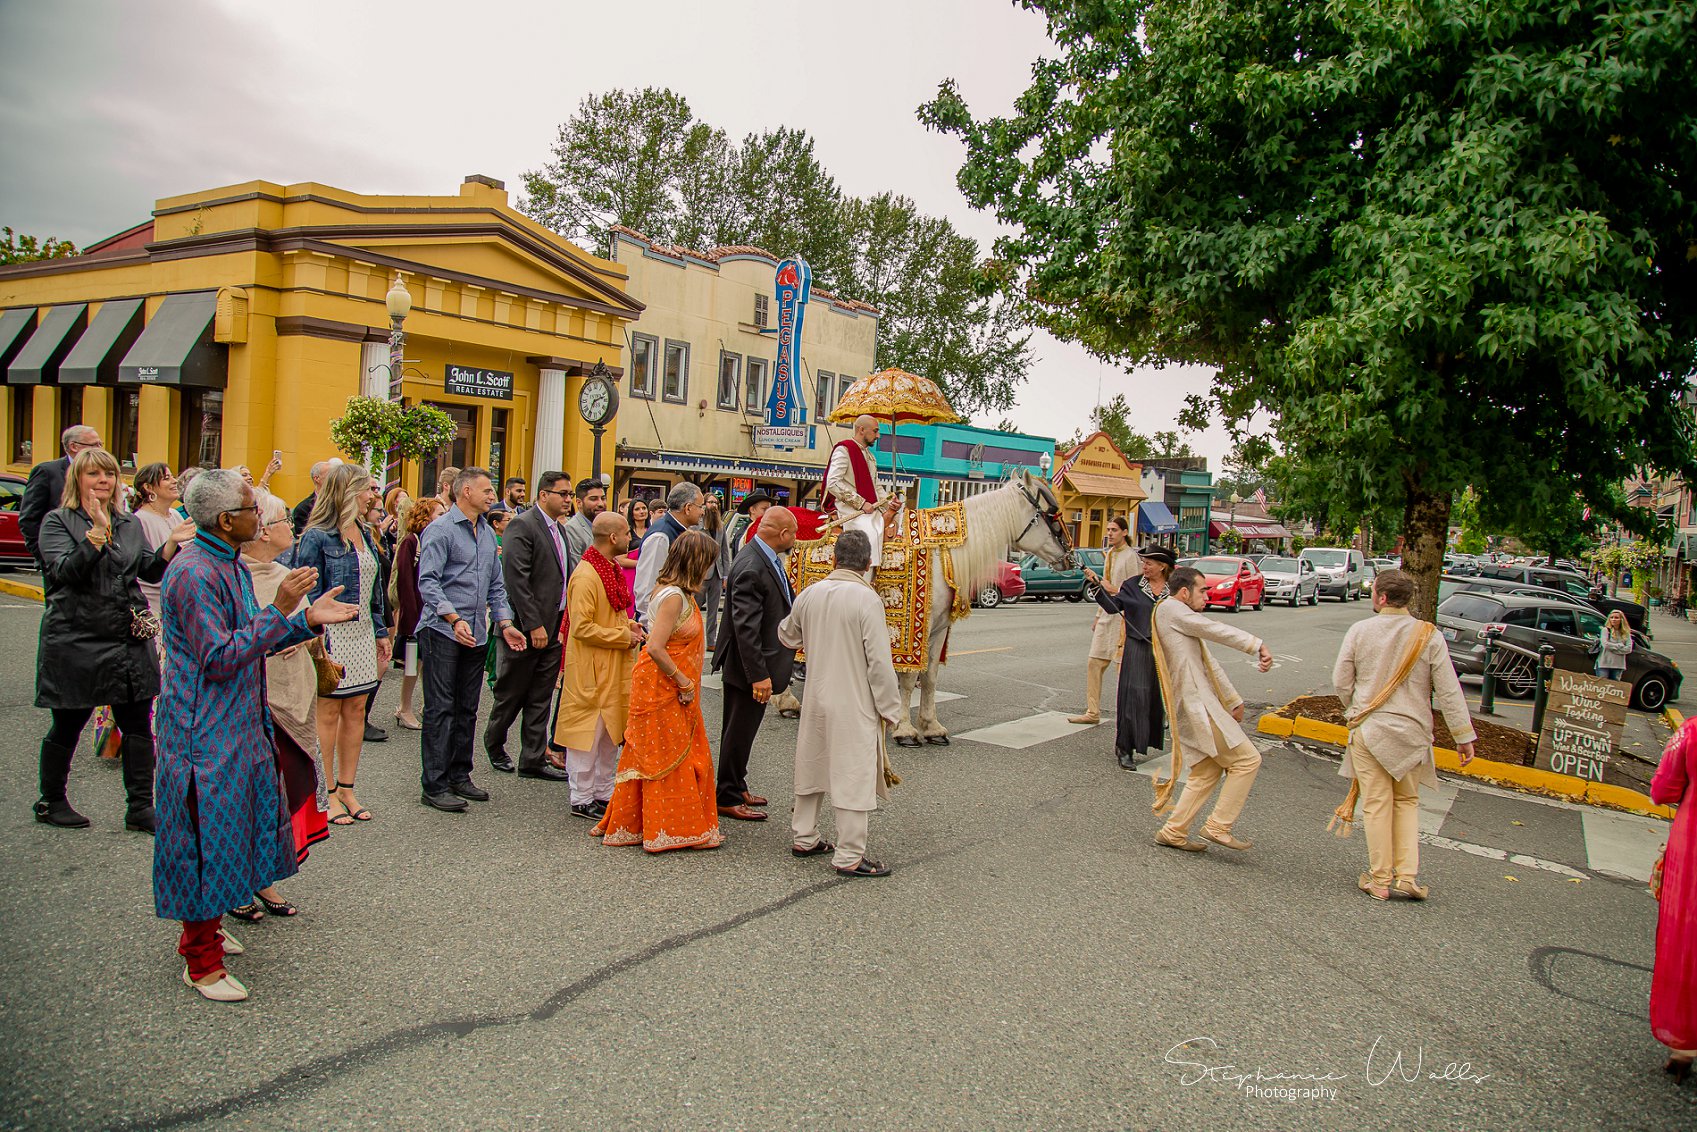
<point x="548" y="450"/>
<point x="374" y="382"/>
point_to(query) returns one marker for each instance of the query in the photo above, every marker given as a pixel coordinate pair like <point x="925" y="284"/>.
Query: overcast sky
<point x="108" y="105"/>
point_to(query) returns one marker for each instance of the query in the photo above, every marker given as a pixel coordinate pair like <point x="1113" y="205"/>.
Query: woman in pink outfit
<point x="1673" y="985"/>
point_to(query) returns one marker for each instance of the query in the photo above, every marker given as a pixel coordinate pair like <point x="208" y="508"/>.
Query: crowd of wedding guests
<point x="233" y="648"/>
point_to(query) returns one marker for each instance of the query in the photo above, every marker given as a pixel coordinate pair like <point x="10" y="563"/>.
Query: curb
<point x="1673" y="718"/>
<point x="21" y="589"/>
<point x="1524" y="777"/>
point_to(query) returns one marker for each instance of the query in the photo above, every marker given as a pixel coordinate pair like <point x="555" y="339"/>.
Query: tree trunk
<point x="1425" y="528"/>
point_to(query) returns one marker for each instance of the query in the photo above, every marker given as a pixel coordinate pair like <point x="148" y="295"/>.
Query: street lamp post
<point x="1232" y="523"/>
<point x="399" y="302"/>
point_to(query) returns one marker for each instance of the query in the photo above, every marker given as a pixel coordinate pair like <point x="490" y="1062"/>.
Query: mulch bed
<point x="1495" y="742"/>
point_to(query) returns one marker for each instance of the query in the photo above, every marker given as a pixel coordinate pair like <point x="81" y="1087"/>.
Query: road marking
<point x="1044" y="727"/>
<point x="1500" y="855"/>
<point x="946" y="697"/>
<point x="1435" y="806"/>
<point x="1622" y="845"/>
<point x="713" y="680"/>
<point x="975" y="652"/>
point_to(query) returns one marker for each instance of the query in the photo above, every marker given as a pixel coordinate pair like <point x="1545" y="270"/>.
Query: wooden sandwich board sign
<point x="1583" y="720"/>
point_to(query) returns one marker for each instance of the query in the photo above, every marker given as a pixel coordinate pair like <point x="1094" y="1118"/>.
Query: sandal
<point x="866" y="868"/>
<point x="277" y="907"/>
<point x="822" y="847"/>
<point x="359" y="814"/>
<point x="249" y="912"/>
<point x="343" y="818"/>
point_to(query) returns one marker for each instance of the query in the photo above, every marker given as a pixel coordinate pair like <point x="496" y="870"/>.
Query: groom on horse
<point x="852" y="492"/>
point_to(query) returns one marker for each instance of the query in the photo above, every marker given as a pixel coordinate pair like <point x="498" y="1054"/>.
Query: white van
<point x="1342" y="571"/>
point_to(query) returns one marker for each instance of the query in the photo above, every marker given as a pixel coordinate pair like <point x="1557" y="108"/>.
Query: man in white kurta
<point x="1390" y="747"/>
<point x="1204" y="710"/>
<point x="1120" y="561"/>
<point x="852" y="694"/>
<point x="852" y="488"/>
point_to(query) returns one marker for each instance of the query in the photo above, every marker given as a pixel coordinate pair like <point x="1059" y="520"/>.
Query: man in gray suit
<point x="591" y="497"/>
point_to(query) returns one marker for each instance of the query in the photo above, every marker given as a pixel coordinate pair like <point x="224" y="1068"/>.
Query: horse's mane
<point x="993" y="520"/>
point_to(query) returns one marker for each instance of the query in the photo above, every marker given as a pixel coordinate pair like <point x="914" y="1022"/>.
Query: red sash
<point x="864" y="483"/>
<point x="612" y="580"/>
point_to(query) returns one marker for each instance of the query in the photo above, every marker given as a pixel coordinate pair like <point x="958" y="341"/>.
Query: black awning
<point x="94" y="359"/>
<point x="177" y="346"/>
<point x="15" y="328"/>
<point x="38" y="362"/>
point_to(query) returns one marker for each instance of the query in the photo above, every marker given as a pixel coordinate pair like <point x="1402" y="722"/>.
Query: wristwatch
<point x="454" y="619"/>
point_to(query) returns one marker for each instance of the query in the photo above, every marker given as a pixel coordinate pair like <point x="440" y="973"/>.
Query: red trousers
<point x="202" y="946"/>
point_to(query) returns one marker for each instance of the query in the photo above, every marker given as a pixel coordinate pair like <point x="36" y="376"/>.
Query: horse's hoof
<point x="937" y="740"/>
<point x="788" y="713"/>
<point x="907" y="741"/>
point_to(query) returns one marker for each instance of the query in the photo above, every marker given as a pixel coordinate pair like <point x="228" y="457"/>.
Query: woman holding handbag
<point x="97" y="635"/>
<point x="1673" y="981"/>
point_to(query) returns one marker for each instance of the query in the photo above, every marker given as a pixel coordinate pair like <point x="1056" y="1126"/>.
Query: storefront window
<point x="23" y="424"/>
<point x="126" y="422"/>
<point x="203" y="429"/>
<point x="754" y="390"/>
<point x="675" y="377"/>
<point x="642" y="352"/>
<point x="843" y="382"/>
<point x="824" y="385"/>
<point x="70" y="406"/>
<point x="497" y="445"/>
<point x="453" y="454"/>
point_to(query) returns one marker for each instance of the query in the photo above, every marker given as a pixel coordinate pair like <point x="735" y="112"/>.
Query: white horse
<point x="1022" y="514"/>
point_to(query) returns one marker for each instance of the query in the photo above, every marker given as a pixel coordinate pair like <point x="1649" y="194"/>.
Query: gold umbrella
<point x="896" y="396"/>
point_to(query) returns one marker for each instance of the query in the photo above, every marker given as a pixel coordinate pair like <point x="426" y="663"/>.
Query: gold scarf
<point x="1164" y="788"/>
<point x="1343" y="818"/>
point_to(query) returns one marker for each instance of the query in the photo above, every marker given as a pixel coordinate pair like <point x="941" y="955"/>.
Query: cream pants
<point x="851" y="829"/>
<point x="1390" y="814"/>
<point x="873" y="526"/>
<point x="1238" y="766"/>
<point x="1093" y="685"/>
<point x="592" y="770"/>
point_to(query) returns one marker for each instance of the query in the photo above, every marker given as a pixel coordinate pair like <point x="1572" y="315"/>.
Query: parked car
<point x="1369" y="573"/>
<point x="1636" y="615"/>
<point x="1232" y="582"/>
<point x="1383" y="564"/>
<point x="1569" y="629"/>
<point x="1517" y="577"/>
<point x="1461" y="565"/>
<point x="1009" y="585"/>
<point x="1339" y="569"/>
<point x="1043" y="581"/>
<point x="1290" y="579"/>
<point x="12" y="549"/>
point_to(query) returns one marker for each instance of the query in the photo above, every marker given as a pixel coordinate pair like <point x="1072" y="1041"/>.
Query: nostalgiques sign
<point x="1583" y="721"/>
<point x="468" y="381"/>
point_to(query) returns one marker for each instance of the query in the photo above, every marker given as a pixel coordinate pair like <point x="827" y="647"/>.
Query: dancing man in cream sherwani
<point x="1390" y="667"/>
<point x="852" y="694"/>
<point x="852" y="490"/>
<point x="1205" y="711"/>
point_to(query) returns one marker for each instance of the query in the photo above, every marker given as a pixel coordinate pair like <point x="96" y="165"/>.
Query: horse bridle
<point x="1050" y="513"/>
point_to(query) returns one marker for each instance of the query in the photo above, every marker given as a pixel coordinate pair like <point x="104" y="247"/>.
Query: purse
<point x="330" y="671"/>
<point x="144" y="624"/>
<point x="1656" y="874"/>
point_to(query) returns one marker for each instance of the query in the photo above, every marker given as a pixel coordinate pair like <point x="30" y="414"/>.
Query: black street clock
<point x="598" y="400"/>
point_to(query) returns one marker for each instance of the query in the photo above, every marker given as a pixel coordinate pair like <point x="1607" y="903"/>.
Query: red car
<point x="1009" y="585"/>
<point x="12" y="550"/>
<point x="1232" y="582"/>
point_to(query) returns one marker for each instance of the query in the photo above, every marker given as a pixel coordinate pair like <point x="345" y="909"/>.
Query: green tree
<point x="1443" y="243"/>
<point x="1168" y="443"/>
<point x="1114" y="418"/>
<point x="1464" y="512"/>
<point x="19" y="248"/>
<point x="785" y="201"/>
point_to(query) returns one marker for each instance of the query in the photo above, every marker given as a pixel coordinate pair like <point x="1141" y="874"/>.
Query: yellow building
<point x="240" y="320"/>
<point x="1094" y="482"/>
<point x="701" y="363"/>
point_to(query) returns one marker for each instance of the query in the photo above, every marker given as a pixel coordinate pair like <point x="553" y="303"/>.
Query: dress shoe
<point x="447" y="803"/>
<point x="1178" y="841"/>
<point x="743" y="813"/>
<point x="753" y="799"/>
<point x="1224" y="837"/>
<point x="1411" y="888"/>
<point x="544" y="771"/>
<point x="232" y="945"/>
<point x="469" y="789"/>
<point x="502" y="763"/>
<point x="1127" y="762"/>
<point x="374" y="733"/>
<point x="594" y="811"/>
<point x="227" y="989"/>
<point x="1087" y="718"/>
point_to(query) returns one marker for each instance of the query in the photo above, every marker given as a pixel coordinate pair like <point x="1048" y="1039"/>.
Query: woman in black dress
<point x="1139" y="719"/>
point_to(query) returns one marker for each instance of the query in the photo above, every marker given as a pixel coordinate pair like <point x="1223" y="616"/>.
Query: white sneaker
<point x="232" y="945"/>
<point x="227" y="989"/>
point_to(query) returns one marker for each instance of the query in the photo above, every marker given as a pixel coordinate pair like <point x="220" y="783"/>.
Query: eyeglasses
<point x="254" y="507"/>
<point x="279" y="523"/>
<point x="551" y="491"/>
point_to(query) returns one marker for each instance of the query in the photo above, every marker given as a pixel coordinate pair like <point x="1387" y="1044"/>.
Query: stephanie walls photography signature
<point x="1388" y="1064"/>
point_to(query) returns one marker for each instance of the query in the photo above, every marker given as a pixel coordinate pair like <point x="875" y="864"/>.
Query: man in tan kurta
<point x="1204" y="710"/>
<point x="1390" y="746"/>
<point x="599" y="655"/>
<point x="1107" y="631"/>
<point x="852" y="695"/>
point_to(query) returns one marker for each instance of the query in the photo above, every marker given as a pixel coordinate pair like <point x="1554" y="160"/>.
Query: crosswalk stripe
<point x="1622" y="845"/>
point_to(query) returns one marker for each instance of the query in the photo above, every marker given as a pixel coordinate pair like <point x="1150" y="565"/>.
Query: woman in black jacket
<point x="94" y="634"/>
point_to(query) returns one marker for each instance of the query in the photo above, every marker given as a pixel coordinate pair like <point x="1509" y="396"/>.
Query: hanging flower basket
<point x="373" y="424"/>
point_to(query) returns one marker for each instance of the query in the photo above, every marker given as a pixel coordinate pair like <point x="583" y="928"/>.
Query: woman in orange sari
<point x="663" y="793"/>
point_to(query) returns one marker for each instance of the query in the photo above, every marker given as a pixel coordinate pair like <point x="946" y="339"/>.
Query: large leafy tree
<point x="1444" y="242"/>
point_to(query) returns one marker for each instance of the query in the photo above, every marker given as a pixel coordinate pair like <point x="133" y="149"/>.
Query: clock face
<point x="595" y="403"/>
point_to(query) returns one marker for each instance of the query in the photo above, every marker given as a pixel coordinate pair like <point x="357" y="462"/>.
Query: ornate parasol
<point x="896" y="396"/>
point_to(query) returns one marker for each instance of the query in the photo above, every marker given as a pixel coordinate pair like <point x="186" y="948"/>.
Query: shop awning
<point x="38" y="362"/>
<point x="177" y="347"/>
<point x="1247" y="528"/>
<point x="15" y="327"/>
<point x="94" y="359"/>
<point x="1155" y="518"/>
<point x="695" y="463"/>
<point x="1106" y="487"/>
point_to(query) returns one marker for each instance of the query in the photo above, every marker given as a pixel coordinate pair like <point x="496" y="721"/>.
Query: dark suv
<point x="1509" y="577"/>
<point x="1530" y="621"/>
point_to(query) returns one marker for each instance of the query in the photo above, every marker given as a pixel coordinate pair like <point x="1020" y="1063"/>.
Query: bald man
<point x="755" y="663"/>
<point x="852" y="491"/>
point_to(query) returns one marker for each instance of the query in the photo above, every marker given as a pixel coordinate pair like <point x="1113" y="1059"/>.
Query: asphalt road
<point x="1035" y="961"/>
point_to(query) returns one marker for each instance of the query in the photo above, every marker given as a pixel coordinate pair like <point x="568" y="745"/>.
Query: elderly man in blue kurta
<point x="224" y="826"/>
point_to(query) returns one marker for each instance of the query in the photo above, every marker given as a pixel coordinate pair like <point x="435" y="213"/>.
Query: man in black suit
<point x="756" y="667"/>
<point x="46" y="485"/>
<point x="535" y="564"/>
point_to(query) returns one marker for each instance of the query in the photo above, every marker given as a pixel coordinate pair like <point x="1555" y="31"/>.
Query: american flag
<point x="1260" y="497"/>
